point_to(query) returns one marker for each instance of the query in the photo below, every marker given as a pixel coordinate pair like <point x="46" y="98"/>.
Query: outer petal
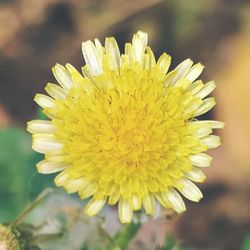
<point x="196" y="175"/>
<point x="92" y="57"/>
<point x="195" y="87"/>
<point x="205" y="106"/>
<point x="113" y="50"/>
<point x="181" y="70"/>
<point x="139" y="44"/>
<point x="44" y="101"/>
<point x="61" y="178"/>
<point x="175" y="201"/>
<point x="46" y="145"/>
<point x="189" y="190"/>
<point x="87" y="190"/>
<point x="161" y="197"/>
<point x="201" y="130"/>
<point x="194" y="72"/>
<point x="62" y="76"/>
<point x="94" y="206"/>
<point x="56" y="91"/>
<point x="214" y="124"/>
<point x="212" y="141"/>
<point x="149" y="204"/>
<point x="47" y="167"/>
<point x="75" y="185"/>
<point x="41" y="127"/>
<point x="200" y="160"/>
<point x="206" y="90"/>
<point x="152" y="61"/>
<point x="164" y="62"/>
<point x="114" y="197"/>
<point x="125" y="211"/>
<point x="136" y="202"/>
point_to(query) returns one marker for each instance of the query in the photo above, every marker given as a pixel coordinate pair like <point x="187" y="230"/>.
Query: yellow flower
<point x="124" y="132"/>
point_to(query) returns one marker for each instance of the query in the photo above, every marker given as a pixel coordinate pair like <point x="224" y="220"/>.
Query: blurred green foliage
<point x="172" y="244"/>
<point x="19" y="181"/>
<point x="246" y="243"/>
<point x="123" y="238"/>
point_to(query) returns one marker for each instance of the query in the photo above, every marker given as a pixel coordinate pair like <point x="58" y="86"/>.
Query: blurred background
<point x="35" y="35"/>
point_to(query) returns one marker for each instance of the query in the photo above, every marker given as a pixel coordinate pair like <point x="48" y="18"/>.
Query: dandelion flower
<point x="124" y="131"/>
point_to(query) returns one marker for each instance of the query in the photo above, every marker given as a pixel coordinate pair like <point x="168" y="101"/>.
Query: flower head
<point x="124" y="131"/>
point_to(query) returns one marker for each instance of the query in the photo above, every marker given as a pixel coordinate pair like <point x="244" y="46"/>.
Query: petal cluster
<point x="124" y="130"/>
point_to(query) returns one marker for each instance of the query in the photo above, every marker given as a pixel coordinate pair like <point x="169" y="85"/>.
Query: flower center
<point x="128" y="127"/>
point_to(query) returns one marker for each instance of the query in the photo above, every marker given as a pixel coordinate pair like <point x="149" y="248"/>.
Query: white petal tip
<point x="201" y="160"/>
<point x="189" y="190"/>
<point x="46" y="167"/>
<point x="176" y="201"/>
<point x="94" y="207"/>
<point x="125" y="211"/>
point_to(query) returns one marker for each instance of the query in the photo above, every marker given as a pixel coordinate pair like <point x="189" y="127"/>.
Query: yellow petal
<point x="75" y="185"/>
<point x="182" y="70"/>
<point x="114" y="197"/>
<point x="46" y="145"/>
<point x="149" y="204"/>
<point x="41" y="127"/>
<point x="196" y="175"/>
<point x="62" y="76"/>
<point x="201" y="160"/>
<point x="125" y="211"/>
<point x="214" y="124"/>
<point x="164" y="62"/>
<point x="162" y="198"/>
<point x="195" y="87"/>
<point x="189" y="190"/>
<point x="152" y="61"/>
<point x="206" y="90"/>
<point x="194" y="72"/>
<point x="87" y="71"/>
<point x="175" y="201"/>
<point x="47" y="167"/>
<point x="201" y="130"/>
<point x="94" y="206"/>
<point x="88" y="190"/>
<point x="56" y="157"/>
<point x="113" y="50"/>
<point x="55" y="91"/>
<point x="44" y="101"/>
<point x="61" y="179"/>
<point x="135" y="202"/>
<point x="92" y="57"/>
<point x="139" y="44"/>
<point x="205" y="106"/>
<point x="212" y="141"/>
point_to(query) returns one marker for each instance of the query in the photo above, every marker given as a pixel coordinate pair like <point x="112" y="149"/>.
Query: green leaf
<point x="19" y="180"/>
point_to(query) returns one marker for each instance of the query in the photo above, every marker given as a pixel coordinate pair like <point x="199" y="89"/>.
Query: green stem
<point x="30" y="207"/>
<point x="124" y="236"/>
